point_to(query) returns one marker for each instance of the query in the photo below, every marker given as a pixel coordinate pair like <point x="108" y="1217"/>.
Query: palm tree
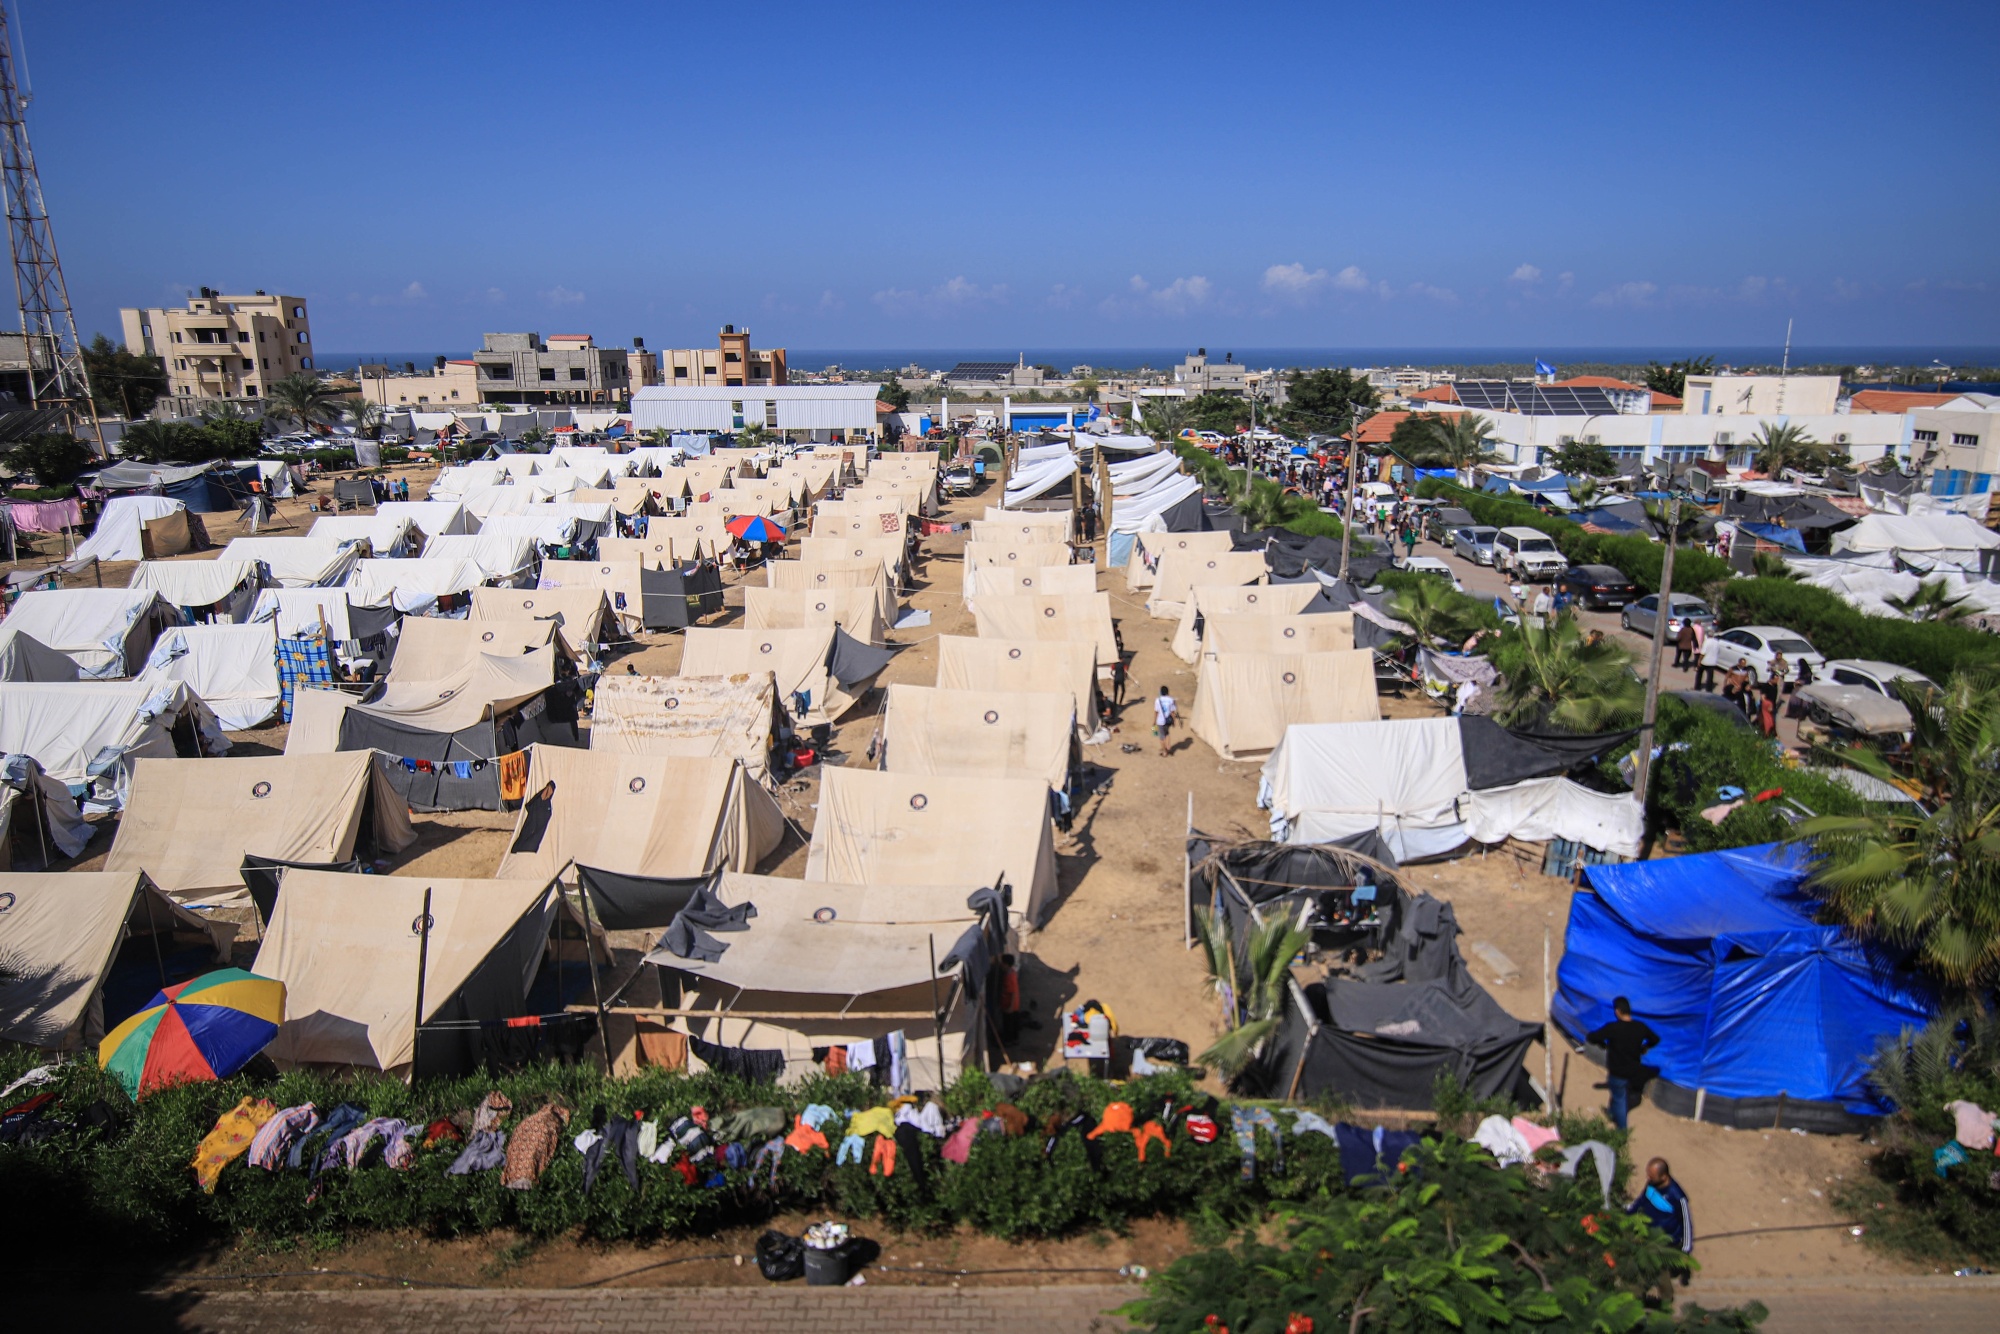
<point x="303" y="399"/>
<point x="1165" y="417"/>
<point x="1926" y="880"/>
<point x="1932" y="601"/>
<point x="1781" y="445"/>
<point x="1250" y="982"/>
<point x="1585" y="493"/>
<point x="366" y="416"/>
<point x="1457" y="440"/>
<point x="1434" y="612"/>
<point x="1552" y="671"/>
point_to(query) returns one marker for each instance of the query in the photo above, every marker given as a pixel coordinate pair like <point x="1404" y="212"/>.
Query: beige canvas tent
<point x="979" y="733"/>
<point x="1010" y="557"/>
<point x="691" y="539"/>
<point x="316" y="717"/>
<point x="864" y="520"/>
<point x="1322" y="632"/>
<point x="1084" y="616"/>
<point x="1021" y="527"/>
<point x="1023" y="666"/>
<point x="796" y="977"/>
<point x="987" y="580"/>
<point x="1139" y="571"/>
<point x="1207" y="601"/>
<point x="796" y="658"/>
<point x="1181" y="570"/>
<point x="856" y="610"/>
<point x="1244" y="701"/>
<point x="431" y="648"/>
<point x="668" y="816"/>
<point x="346" y="947"/>
<point x="819" y="575"/>
<point x="891" y="551"/>
<point x="189" y="823"/>
<point x="616" y="579"/>
<point x="653" y="552"/>
<point x="60" y="934"/>
<point x="579" y="611"/>
<point x="927" y="829"/>
<point x="734" y="717"/>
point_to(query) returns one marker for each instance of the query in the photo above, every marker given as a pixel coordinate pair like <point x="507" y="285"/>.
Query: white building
<point x="820" y="412"/>
<point x="1761" y="395"/>
<point x="1959" y="441"/>
<point x="1665" y="438"/>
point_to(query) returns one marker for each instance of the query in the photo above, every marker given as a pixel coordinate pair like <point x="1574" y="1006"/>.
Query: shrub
<point x="1840" y="631"/>
<point x="1267" y="504"/>
<point x="1639" y="557"/>
<point x="1705" y="751"/>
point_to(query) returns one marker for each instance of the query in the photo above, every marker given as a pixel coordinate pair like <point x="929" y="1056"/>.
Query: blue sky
<point x="1084" y="175"/>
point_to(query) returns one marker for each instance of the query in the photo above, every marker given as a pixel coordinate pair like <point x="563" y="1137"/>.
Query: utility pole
<point x="1356" y="414"/>
<point x="1644" y="759"/>
<point x="57" y="377"/>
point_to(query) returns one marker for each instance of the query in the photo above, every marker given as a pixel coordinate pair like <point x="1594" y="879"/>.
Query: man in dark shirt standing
<point x="1625" y="1041"/>
<point x="1665" y="1205"/>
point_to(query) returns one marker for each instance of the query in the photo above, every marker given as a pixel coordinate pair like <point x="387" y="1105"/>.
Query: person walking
<point x="1165" y="710"/>
<point x="1625" y="1041"/>
<point x="1665" y="1205"/>
<point x="1684" y="644"/>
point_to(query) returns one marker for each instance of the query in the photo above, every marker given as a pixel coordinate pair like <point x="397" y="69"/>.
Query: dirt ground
<point x="1759" y="1199"/>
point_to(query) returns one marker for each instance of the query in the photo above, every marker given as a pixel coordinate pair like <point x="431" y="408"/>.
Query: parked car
<point x="1528" y="553"/>
<point x="1474" y="543"/>
<point x="1640" y="615"/>
<point x="1880" y="677"/>
<point x="1443" y="521"/>
<point x="1430" y="565"/>
<point x="958" y="481"/>
<point x="1760" y="645"/>
<point x="1599" y="586"/>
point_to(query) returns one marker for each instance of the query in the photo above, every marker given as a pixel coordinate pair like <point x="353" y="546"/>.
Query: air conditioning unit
<point x="1592" y="440"/>
<point x="1842" y="438"/>
<point x="1725" y="438"/>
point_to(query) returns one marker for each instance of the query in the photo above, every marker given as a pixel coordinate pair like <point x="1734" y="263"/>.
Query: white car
<point x="1880" y="677"/>
<point x="1528" y="553"/>
<point x="1760" y="645"/>
<point x="1430" y="565"/>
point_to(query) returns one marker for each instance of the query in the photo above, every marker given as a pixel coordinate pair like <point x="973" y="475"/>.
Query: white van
<point x="1527" y="553"/>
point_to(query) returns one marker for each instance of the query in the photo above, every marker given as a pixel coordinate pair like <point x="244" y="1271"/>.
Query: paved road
<point x="1798" y="1306"/>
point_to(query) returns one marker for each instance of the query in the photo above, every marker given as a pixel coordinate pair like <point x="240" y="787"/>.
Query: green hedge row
<point x="1840" y="631"/>
<point x="1639" y="556"/>
<point x="134" y="1184"/>
<point x="1719" y="752"/>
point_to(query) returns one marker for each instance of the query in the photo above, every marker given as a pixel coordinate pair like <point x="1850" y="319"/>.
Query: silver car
<point x="1640" y="615"/>
<point x="1475" y="544"/>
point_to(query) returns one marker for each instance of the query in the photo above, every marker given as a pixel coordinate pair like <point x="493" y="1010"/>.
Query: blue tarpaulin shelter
<point x="1772" y="532"/>
<point x="1751" y="998"/>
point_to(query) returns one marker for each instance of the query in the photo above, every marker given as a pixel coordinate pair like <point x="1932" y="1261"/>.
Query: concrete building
<point x="223" y="346"/>
<point x="642" y="368"/>
<point x="993" y="377"/>
<point x="1959" y="441"/>
<point x="732" y="363"/>
<point x="1664" y="438"/>
<point x="828" y="412"/>
<point x="1761" y="395"/>
<point x="1198" y="375"/>
<point x="1406" y="381"/>
<point x="566" y="368"/>
<point x="446" y="384"/>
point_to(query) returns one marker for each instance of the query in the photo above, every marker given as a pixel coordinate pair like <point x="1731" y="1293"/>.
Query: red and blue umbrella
<point x="755" y="528"/>
<point x="205" y="1028"/>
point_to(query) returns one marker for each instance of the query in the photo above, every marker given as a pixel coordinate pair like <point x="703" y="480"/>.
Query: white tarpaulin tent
<point x="619" y="580"/>
<point x="344" y="948"/>
<point x="929" y="829"/>
<point x="1244" y="702"/>
<point x="796" y="658"/>
<point x="1941" y="539"/>
<point x="979" y="733"/>
<point x="25" y="658"/>
<point x="298" y="613"/>
<point x="1868" y="588"/>
<point x="232" y="668"/>
<point x="580" y="611"/>
<point x="653" y="552"/>
<point x="385" y="534"/>
<point x="505" y="559"/>
<point x="107" y="631"/>
<point x="432" y="518"/>
<point x="199" y="583"/>
<point x="297" y="562"/>
<point x="121" y="529"/>
<point x="1406" y="779"/>
<point x="411" y="586"/>
<point x="80" y="730"/>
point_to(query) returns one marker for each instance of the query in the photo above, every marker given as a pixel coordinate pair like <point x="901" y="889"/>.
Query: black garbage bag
<point x="780" y="1258"/>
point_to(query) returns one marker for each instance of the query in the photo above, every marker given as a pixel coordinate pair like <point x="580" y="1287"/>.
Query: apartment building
<point x="563" y="368"/>
<point x="642" y="368"/>
<point x="446" y="384"/>
<point x="730" y="363"/>
<point x="1198" y="375"/>
<point x="1761" y="395"/>
<point x="223" y="346"/>
<point x="1959" y="441"/>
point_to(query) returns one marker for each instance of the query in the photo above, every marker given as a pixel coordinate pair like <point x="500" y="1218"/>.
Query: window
<point x="680" y="372"/>
<point x="302" y="336"/>
<point x="250" y="390"/>
<point x="579" y="373"/>
<point x="181" y="365"/>
<point x="548" y="372"/>
<point x="260" y="335"/>
<point x="266" y="361"/>
<point x="497" y="370"/>
<point x="305" y="363"/>
<point x="770" y="415"/>
<point x="1921" y="437"/>
<point x="242" y="335"/>
<point x="177" y="338"/>
<point x="1961" y="438"/>
<point x="731" y="356"/>
<point x="249" y="365"/>
<point x="298" y="312"/>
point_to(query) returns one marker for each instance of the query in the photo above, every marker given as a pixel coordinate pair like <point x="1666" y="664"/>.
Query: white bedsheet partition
<point x="1544" y="808"/>
<point x="1404" y="779"/>
<point x="1039" y="479"/>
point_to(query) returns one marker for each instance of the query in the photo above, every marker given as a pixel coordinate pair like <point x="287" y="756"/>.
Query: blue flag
<point x="1543" y="368"/>
<point x="1093" y="413"/>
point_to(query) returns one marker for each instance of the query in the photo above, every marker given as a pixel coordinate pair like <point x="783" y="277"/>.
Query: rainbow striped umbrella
<point x="755" y="528"/>
<point x="205" y="1028"/>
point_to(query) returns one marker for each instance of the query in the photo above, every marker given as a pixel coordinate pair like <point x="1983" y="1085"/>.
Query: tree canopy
<point x="52" y="458"/>
<point x="1672" y="377"/>
<point x="893" y="393"/>
<point x="1322" y="402"/>
<point x="1582" y="458"/>
<point x="122" y="383"/>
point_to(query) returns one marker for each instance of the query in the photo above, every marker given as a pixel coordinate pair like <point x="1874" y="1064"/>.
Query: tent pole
<point x="159" y="959"/>
<point x="423" y="962"/>
<point x="1187" y="889"/>
<point x="1642" y="759"/>
<point x="937" y="1013"/>
<point x="41" y="815"/>
<point x="1548" y="1018"/>
<point x="590" y="959"/>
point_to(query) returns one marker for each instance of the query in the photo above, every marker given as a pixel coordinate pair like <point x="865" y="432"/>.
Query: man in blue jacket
<point x="1665" y="1205"/>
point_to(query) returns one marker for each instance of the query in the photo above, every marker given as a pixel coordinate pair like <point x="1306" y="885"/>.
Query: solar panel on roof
<point x="1535" y="400"/>
<point x="982" y="370"/>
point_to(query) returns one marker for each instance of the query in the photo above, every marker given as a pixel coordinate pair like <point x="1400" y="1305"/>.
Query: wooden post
<point x="1548" y="1023"/>
<point x="1187" y="882"/>
<point x="1105" y="506"/>
<point x="1643" y="757"/>
<point x="937" y="1014"/>
<point x="423" y="925"/>
<point x="590" y="960"/>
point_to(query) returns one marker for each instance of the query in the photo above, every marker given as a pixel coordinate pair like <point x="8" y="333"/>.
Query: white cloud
<point x="1751" y="288"/>
<point x="957" y="293"/>
<point x="1352" y="279"/>
<point x="1177" y="297"/>
<point x="1062" y="297"/>
<point x="495" y="295"/>
<point x="1525" y="274"/>
<point x="1294" y="280"/>
<point x="562" y="296"/>
<point x="409" y="296"/>
<point x="1625" y="294"/>
<point x="829" y="302"/>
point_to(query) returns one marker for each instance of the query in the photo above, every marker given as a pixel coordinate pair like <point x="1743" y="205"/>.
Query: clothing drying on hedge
<point x="230" y="1139"/>
<point x="275" y="1140"/>
<point x="532" y="1147"/>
